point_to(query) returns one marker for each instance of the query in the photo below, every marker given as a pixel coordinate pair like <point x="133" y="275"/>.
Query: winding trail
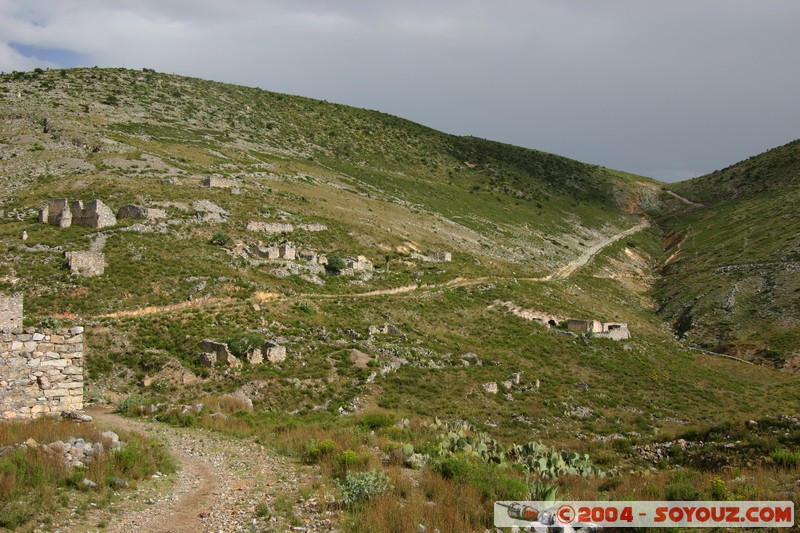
<point x="575" y="264"/>
<point x="220" y="483"/>
<point x="198" y="478"/>
<point x="684" y="200"/>
<point x="562" y="273"/>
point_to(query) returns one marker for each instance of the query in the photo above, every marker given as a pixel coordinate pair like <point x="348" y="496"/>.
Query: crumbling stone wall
<point x="11" y="311"/>
<point x="41" y="372"/>
<point x="284" y="227"/>
<point x="441" y="257"/>
<point x="215" y="181"/>
<point x="356" y="264"/>
<point x="95" y="214"/>
<point x="138" y="212"/>
<point x="86" y="263"/>
<point x="56" y="213"/>
<point x="270" y="227"/>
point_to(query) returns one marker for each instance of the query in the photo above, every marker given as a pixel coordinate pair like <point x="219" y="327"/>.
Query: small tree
<point x="335" y="264"/>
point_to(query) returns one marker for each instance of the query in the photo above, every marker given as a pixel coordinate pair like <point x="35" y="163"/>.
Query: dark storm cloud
<point x="667" y="88"/>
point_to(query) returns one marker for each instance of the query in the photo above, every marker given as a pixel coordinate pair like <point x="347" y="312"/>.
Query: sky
<point x="665" y="88"/>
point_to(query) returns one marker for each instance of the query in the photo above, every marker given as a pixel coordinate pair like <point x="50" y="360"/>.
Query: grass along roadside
<point x="36" y="484"/>
<point x="393" y="473"/>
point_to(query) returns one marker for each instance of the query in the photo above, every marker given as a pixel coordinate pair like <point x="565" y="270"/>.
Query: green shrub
<point x="221" y="238"/>
<point x="140" y="458"/>
<point x="360" y="487"/>
<point x="130" y="405"/>
<point x="348" y="459"/>
<point x="314" y="451"/>
<point x="493" y="482"/>
<point x="335" y="264"/>
<point x="373" y="421"/>
<point x="785" y="458"/>
<point x="111" y="99"/>
<point x="454" y="468"/>
<point x="717" y="489"/>
<point x="681" y="490"/>
<point x="327" y="446"/>
<point x="242" y="343"/>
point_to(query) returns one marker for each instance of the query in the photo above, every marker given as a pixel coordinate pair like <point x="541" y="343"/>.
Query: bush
<point x="348" y="458"/>
<point x="111" y="99"/>
<point x="221" y="238"/>
<point x="326" y="446"/>
<point x="681" y="490"/>
<point x="314" y="451"/>
<point x="242" y="343"/>
<point x="492" y="482"/>
<point x="335" y="264"/>
<point x="453" y="468"/>
<point x="373" y="421"/>
<point x="360" y="487"/>
<point x="718" y="489"/>
<point x="785" y="458"/>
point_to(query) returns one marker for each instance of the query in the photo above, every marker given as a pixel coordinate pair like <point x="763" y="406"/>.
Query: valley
<point x="302" y="299"/>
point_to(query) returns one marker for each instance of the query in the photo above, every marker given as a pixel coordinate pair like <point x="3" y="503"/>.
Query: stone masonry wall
<point x="86" y="263"/>
<point x="41" y="372"/>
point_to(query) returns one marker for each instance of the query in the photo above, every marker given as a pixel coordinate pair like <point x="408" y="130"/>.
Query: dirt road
<point x="220" y="485"/>
<point x="562" y="273"/>
<point x="684" y="200"/>
<point x="572" y="266"/>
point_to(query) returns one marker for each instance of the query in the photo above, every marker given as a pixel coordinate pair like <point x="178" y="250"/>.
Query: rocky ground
<point x="223" y="485"/>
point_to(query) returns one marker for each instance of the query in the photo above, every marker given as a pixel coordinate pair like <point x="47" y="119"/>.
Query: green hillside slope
<point x="383" y="186"/>
<point x="731" y="277"/>
<point x="374" y="357"/>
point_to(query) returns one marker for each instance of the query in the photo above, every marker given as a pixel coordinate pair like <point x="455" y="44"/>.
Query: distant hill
<point x="774" y="170"/>
<point x="732" y="275"/>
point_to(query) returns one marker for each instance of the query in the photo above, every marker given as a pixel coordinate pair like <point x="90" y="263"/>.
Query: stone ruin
<point x="312" y="257"/>
<point x="41" y="371"/>
<point x="287" y="251"/>
<point x="95" y="214"/>
<point x="87" y="264"/>
<point x="610" y="330"/>
<point x="214" y="352"/>
<point x="440" y="257"/>
<point x="216" y="181"/>
<point x="284" y="250"/>
<point x="434" y="257"/>
<point x="356" y="264"/>
<point x="138" y="212"/>
<point x="284" y="227"/>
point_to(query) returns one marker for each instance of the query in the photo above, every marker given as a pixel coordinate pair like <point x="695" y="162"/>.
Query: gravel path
<point x="223" y="485"/>
<point x="572" y="266"/>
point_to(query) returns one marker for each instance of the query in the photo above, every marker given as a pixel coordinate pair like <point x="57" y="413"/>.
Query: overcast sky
<point x="666" y="88"/>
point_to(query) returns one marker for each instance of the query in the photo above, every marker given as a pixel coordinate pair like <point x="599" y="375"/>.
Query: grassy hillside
<point x="382" y="185"/>
<point x="392" y="191"/>
<point x="730" y="279"/>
